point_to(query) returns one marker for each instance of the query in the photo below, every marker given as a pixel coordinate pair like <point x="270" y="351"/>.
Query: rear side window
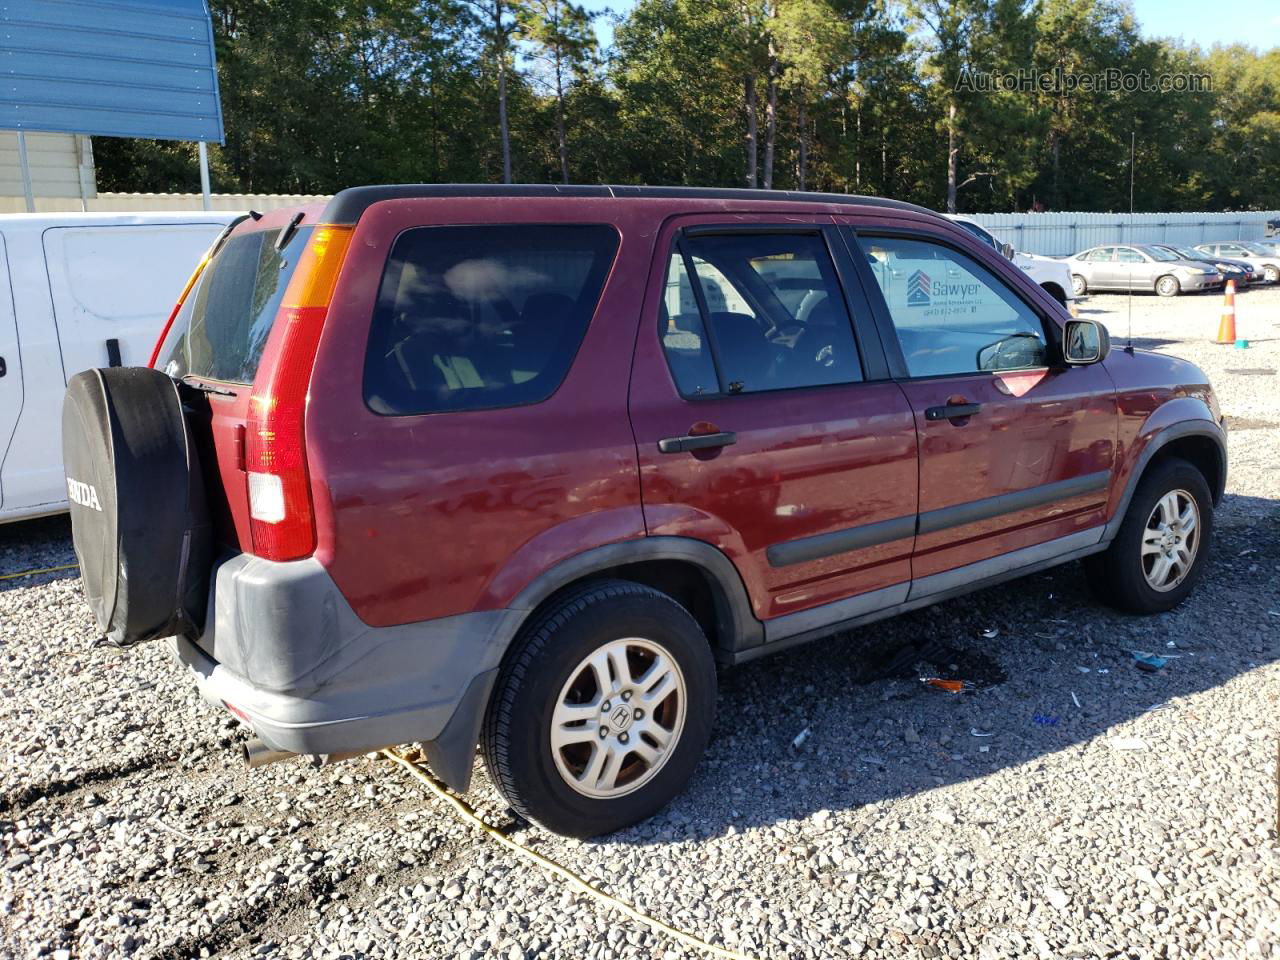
<point x="767" y="314"/>
<point x="223" y="325"/>
<point x="471" y="318"/>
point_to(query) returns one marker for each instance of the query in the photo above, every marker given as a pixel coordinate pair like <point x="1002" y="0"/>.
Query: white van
<point x="78" y="290"/>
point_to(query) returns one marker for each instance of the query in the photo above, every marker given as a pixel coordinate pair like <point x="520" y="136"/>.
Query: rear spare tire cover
<point x="139" y="518"/>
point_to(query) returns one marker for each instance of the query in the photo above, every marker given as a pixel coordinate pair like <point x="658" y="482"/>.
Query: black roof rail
<point x="348" y="205"/>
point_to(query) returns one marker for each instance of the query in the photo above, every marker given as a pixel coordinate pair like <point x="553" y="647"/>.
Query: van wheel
<point x="1055" y="291"/>
<point x="1078" y="285"/>
<point x="602" y="709"/>
<point x="1160" y="550"/>
<point x="1168" y="286"/>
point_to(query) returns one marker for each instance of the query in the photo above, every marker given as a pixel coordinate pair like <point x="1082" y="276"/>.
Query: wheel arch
<point x="1055" y="290"/>
<point x="1202" y="442"/>
<point x="693" y="572"/>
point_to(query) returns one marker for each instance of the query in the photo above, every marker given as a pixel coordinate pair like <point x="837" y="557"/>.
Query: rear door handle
<point x="701" y="441"/>
<point x="952" y="411"/>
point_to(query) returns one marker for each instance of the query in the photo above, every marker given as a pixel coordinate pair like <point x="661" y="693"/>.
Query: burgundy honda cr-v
<point x="520" y="465"/>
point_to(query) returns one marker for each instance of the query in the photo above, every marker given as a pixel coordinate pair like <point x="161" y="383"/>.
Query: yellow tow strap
<point x="564" y="873"/>
<point x="36" y="573"/>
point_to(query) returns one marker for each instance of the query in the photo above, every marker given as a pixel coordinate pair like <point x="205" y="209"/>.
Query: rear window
<point x="224" y="323"/>
<point x="478" y="317"/>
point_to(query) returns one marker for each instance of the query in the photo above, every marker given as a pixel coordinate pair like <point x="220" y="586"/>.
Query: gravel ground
<point x="1071" y="806"/>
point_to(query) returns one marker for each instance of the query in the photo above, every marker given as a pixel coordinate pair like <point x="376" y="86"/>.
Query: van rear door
<point x="10" y="370"/>
<point x="113" y="285"/>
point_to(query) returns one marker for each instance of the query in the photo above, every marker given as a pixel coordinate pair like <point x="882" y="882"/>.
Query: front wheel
<point x="1160" y="551"/>
<point x="602" y="709"/>
<point x="1168" y="286"/>
<point x="1272" y="274"/>
<point x="1078" y="285"/>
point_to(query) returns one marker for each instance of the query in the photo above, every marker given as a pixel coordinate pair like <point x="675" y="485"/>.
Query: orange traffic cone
<point x="1227" y="328"/>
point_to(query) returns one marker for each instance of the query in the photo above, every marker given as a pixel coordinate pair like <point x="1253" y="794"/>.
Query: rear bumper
<point x="283" y="646"/>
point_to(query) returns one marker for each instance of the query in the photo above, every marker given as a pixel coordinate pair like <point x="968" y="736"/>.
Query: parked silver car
<point x="1270" y="245"/>
<point x="1241" y="271"/>
<point x="1258" y="254"/>
<point x="1140" y="267"/>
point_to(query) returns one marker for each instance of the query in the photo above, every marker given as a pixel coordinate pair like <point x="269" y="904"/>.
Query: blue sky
<point x="1206" y="22"/>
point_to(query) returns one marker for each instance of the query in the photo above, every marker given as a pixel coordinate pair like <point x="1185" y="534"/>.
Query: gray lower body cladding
<point x="283" y="646"/>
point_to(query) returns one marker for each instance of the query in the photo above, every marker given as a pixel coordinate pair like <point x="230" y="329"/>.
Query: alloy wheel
<point x="618" y="718"/>
<point x="1171" y="540"/>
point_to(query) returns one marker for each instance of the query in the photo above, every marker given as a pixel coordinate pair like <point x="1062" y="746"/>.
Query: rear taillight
<point x="177" y="307"/>
<point x="281" y="519"/>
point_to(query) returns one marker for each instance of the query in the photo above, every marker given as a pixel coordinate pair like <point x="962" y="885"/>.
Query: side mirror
<point x="1006" y="249"/>
<point x="1085" y="342"/>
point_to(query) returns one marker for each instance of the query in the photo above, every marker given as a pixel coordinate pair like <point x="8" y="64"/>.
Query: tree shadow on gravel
<point x="868" y="729"/>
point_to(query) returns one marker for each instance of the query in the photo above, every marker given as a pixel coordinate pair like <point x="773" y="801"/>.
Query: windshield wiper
<point x="208" y="387"/>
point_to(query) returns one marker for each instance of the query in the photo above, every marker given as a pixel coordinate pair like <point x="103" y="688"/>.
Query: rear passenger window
<point x="683" y="335"/>
<point x="767" y="314"/>
<point x="477" y="317"/>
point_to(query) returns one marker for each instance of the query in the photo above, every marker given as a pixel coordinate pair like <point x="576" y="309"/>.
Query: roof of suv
<point x="347" y="205"/>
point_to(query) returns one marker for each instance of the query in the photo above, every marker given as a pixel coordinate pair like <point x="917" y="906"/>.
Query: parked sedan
<point x="1139" y="267"/>
<point x="1257" y="254"/>
<point x="1241" y="271"/>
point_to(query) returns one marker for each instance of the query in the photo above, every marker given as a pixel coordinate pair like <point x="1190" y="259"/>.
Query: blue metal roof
<point x="115" y="68"/>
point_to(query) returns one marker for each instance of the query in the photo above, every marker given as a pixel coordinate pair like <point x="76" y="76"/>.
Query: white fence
<point x="1060" y="234"/>
<point x="148" y="202"/>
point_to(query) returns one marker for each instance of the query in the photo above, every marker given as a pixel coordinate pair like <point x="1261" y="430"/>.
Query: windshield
<point x="222" y="328"/>
<point x="1186" y="253"/>
<point x="1160" y="253"/>
<point x="1258" y="248"/>
<point x="980" y="233"/>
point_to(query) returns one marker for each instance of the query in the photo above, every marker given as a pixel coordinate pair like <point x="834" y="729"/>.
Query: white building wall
<point x="153" y="202"/>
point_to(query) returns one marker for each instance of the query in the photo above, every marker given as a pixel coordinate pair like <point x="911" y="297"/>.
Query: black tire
<point x="1272" y="274"/>
<point x="1117" y="575"/>
<point x="139" y="519"/>
<point x="544" y="658"/>
<point x="1079" y="286"/>
<point x="1168" y="286"/>
<point x="1055" y="291"/>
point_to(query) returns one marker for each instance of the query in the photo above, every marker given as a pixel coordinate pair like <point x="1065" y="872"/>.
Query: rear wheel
<point x="1168" y="286"/>
<point x="1272" y="274"/>
<point x="602" y="709"/>
<point x="1159" y="553"/>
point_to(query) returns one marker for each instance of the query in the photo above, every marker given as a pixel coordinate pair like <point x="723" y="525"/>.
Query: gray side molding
<point x="1175" y="431"/>
<point x="738" y="627"/>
